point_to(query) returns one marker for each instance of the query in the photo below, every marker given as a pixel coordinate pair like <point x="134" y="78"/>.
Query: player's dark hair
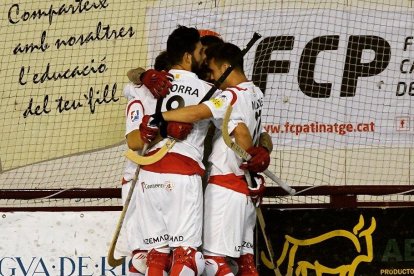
<point x="210" y="40"/>
<point x="226" y="52"/>
<point x="204" y="72"/>
<point x="162" y="62"/>
<point x="182" y="40"/>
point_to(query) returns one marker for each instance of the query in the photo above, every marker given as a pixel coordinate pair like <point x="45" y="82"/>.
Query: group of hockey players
<point x="175" y="224"/>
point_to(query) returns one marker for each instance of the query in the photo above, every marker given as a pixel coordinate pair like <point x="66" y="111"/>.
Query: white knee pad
<point x="211" y="268"/>
<point x="217" y="266"/>
<point x="139" y="261"/>
<point x="199" y="262"/>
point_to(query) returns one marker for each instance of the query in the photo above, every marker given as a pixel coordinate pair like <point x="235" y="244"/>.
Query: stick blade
<point x="112" y="261"/>
<point x="150" y="159"/>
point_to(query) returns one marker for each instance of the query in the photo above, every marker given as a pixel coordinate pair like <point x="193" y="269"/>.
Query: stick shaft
<point x="268" y="243"/>
<point x="112" y="261"/>
<point x="279" y="182"/>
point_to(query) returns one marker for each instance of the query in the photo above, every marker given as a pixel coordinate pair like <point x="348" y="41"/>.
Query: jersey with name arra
<point x="187" y="89"/>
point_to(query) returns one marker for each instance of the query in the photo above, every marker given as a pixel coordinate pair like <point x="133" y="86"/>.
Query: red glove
<point x="158" y="82"/>
<point x="147" y="130"/>
<point x="257" y="193"/>
<point x="178" y="130"/>
<point x="259" y="162"/>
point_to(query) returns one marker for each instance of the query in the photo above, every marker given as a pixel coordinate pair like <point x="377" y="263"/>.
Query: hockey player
<point x="142" y="98"/>
<point x="157" y="81"/>
<point x="230" y="217"/>
<point x="170" y="193"/>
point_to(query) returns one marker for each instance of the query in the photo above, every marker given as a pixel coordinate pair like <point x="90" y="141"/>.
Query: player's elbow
<point x="134" y="141"/>
<point x="134" y="145"/>
<point x="201" y="112"/>
<point x="265" y="140"/>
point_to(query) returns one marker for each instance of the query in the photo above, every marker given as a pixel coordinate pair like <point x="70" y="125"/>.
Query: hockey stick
<point x="146" y="160"/>
<point x="112" y="261"/>
<point x="262" y="225"/>
<point x="151" y="159"/>
<point x="246" y="156"/>
<point x="240" y="151"/>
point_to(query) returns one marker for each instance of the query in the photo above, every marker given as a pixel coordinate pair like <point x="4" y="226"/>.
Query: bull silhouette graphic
<point x="300" y="266"/>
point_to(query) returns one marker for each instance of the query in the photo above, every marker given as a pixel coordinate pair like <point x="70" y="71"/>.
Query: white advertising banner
<point x="58" y="244"/>
<point x="332" y="79"/>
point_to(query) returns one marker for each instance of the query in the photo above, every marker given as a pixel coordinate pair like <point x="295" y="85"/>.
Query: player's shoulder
<point x="225" y="97"/>
<point x="246" y="87"/>
<point x="187" y="76"/>
<point x="243" y="86"/>
<point x="145" y="102"/>
<point x="206" y="84"/>
<point x="236" y="88"/>
<point x="199" y="82"/>
<point x="135" y="91"/>
<point x="182" y="75"/>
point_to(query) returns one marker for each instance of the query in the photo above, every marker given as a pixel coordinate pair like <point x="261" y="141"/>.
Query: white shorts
<point x="229" y="221"/>
<point x="171" y="208"/>
<point x="131" y="220"/>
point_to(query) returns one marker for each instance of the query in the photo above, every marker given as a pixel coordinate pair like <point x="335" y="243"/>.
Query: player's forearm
<point x="242" y="136"/>
<point x="134" y="140"/>
<point x="266" y="141"/>
<point x="188" y="114"/>
<point x="134" y="75"/>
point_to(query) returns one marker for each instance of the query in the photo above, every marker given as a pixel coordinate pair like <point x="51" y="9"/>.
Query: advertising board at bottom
<point x="360" y="242"/>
